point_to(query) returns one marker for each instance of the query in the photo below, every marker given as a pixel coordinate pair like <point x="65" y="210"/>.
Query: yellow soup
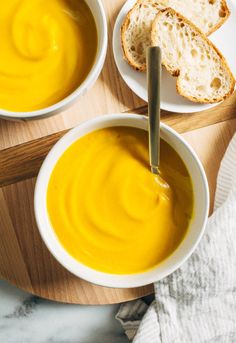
<point x="47" y="49"/>
<point x="109" y="211"/>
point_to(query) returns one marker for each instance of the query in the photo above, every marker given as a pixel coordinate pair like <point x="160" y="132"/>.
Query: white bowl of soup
<point x="102" y="213"/>
<point x="53" y="53"/>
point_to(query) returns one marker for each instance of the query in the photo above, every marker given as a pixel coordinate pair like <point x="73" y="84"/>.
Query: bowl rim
<point x="113" y="280"/>
<point x="80" y="90"/>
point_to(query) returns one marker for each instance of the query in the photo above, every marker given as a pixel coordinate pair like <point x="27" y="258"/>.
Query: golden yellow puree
<point x="109" y="211"/>
<point x="47" y="49"/>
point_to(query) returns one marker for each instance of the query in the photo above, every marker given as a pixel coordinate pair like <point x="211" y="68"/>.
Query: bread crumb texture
<point x="203" y="73"/>
<point x="208" y="15"/>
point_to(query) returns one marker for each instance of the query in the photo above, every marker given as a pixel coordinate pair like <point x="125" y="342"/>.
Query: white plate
<point x="223" y="38"/>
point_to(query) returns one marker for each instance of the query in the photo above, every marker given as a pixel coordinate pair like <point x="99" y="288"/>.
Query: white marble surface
<point x="28" y="319"/>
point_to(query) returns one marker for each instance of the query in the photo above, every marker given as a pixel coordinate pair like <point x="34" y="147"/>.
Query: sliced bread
<point x="203" y="73"/>
<point x="208" y="15"/>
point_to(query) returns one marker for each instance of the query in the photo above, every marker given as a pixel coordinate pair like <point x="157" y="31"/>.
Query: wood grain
<point x="26" y="262"/>
<point x="24" y="259"/>
<point x="183" y="122"/>
<point x="23" y="161"/>
<point x="12" y="264"/>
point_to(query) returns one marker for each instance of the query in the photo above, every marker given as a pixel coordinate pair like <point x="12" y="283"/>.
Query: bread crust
<point x="226" y="10"/>
<point x="177" y="72"/>
<point x="126" y="22"/>
<point x="124" y="27"/>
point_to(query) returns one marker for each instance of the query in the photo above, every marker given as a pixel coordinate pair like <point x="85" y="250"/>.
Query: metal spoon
<point x="154" y="86"/>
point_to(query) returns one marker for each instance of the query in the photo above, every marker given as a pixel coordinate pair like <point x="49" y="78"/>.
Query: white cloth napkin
<point x="197" y="303"/>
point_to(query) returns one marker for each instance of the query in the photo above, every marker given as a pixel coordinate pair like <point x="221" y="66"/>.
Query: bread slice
<point x="203" y="73"/>
<point x="208" y="15"/>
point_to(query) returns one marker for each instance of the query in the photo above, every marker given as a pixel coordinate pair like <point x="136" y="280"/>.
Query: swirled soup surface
<point x="109" y="211"/>
<point x="47" y="49"/>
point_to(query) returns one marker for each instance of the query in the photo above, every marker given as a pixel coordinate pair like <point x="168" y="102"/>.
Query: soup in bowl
<point x="52" y="52"/>
<point x="106" y="217"/>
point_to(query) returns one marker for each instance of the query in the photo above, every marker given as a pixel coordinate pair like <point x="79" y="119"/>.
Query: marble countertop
<point x="28" y="319"/>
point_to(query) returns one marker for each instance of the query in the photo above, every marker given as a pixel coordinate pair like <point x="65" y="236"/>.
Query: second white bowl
<point x="98" y="12"/>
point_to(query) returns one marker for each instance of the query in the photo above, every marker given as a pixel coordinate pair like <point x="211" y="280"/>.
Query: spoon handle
<point x="154" y="86"/>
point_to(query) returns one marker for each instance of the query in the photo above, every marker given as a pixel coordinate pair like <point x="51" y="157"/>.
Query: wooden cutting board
<point x="24" y="259"/>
